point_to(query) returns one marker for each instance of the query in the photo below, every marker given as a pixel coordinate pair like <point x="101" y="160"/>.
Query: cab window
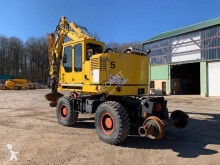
<point x="67" y="59"/>
<point x="92" y="49"/>
<point x="78" y="57"/>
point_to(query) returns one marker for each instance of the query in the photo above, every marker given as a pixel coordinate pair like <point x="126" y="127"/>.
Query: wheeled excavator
<point x="112" y="85"/>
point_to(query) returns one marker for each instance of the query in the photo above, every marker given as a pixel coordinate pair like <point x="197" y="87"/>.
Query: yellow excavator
<point x="18" y="84"/>
<point x="113" y="85"/>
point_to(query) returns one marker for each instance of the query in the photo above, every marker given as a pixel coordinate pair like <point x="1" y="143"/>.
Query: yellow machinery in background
<point x="18" y="84"/>
<point x="113" y="85"/>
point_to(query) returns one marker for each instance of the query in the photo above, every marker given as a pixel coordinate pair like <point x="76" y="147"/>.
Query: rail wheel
<point x="112" y="122"/>
<point x="183" y="118"/>
<point x="65" y="113"/>
<point x="154" y="126"/>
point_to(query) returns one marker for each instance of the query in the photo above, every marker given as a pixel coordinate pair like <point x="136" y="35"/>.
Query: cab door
<point x="71" y="68"/>
<point x="77" y="77"/>
<point x="66" y="68"/>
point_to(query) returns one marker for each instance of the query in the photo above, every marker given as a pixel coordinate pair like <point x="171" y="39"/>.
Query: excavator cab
<point x="75" y="63"/>
<point x="92" y="49"/>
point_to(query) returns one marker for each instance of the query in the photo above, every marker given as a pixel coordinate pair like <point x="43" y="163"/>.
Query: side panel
<point x="160" y="72"/>
<point x="133" y="68"/>
<point x="214" y="79"/>
<point x="203" y="78"/>
<point x="130" y="71"/>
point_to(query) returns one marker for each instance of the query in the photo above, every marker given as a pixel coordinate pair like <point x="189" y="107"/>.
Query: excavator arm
<point x="63" y="29"/>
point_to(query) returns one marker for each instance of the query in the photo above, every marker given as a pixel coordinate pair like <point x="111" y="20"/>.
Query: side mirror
<point x="64" y="58"/>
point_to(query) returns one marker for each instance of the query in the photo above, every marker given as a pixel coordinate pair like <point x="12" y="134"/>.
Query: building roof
<point x="183" y="30"/>
<point x="6" y="77"/>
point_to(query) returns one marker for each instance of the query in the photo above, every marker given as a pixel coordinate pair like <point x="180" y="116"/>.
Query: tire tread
<point x="123" y="120"/>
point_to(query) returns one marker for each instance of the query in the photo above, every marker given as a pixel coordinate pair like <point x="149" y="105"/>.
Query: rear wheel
<point x="4" y="88"/>
<point x="65" y="113"/>
<point x="17" y="88"/>
<point x="183" y="118"/>
<point x="112" y="122"/>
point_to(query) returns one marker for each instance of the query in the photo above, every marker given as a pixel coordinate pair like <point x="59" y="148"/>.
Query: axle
<point x="154" y="128"/>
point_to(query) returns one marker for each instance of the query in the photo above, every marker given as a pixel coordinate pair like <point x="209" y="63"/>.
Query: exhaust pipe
<point x="154" y="128"/>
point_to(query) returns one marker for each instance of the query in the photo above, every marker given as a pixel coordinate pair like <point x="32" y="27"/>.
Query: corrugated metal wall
<point x="203" y="45"/>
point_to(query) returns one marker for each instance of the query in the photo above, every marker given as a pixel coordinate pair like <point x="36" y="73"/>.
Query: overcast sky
<point x="113" y="20"/>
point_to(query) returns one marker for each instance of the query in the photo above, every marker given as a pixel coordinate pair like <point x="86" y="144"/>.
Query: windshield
<point x="92" y="49"/>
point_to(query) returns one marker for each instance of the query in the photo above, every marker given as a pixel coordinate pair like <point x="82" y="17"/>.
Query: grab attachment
<point x="53" y="96"/>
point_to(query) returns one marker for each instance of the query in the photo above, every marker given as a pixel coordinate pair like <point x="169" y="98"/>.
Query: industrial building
<point x="186" y="60"/>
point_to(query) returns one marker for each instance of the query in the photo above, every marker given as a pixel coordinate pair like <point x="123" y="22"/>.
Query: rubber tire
<point x="121" y="120"/>
<point x="15" y="88"/>
<point x="72" y="116"/>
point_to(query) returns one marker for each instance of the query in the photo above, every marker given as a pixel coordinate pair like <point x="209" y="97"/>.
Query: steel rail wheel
<point x="154" y="127"/>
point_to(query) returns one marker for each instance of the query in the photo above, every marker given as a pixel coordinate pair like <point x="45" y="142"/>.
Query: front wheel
<point x="112" y="122"/>
<point x="65" y="113"/>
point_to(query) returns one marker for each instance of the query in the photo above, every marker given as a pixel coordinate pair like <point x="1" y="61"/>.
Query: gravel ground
<point x="30" y="126"/>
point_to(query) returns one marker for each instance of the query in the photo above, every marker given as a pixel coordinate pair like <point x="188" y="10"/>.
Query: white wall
<point x="184" y="45"/>
<point x="214" y="79"/>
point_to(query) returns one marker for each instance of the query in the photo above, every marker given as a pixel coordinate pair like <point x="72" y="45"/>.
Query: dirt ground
<point x="30" y="126"/>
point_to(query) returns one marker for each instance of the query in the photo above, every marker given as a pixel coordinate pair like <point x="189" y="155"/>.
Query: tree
<point x="24" y="60"/>
<point x="95" y="36"/>
<point x="3" y="53"/>
<point x="36" y="50"/>
<point x="29" y="60"/>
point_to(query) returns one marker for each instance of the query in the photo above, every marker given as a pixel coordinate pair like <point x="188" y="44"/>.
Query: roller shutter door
<point x="214" y="79"/>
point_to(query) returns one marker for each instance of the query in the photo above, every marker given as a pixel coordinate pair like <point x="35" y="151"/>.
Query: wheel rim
<point x="155" y="123"/>
<point x="63" y="111"/>
<point x="107" y="123"/>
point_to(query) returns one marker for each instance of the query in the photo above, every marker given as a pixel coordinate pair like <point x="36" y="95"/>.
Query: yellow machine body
<point x="82" y="65"/>
<point x="12" y="83"/>
<point x="104" y="73"/>
<point x="18" y="84"/>
<point x="108" y="83"/>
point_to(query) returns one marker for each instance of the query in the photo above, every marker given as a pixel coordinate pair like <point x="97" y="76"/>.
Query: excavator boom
<point x="63" y="29"/>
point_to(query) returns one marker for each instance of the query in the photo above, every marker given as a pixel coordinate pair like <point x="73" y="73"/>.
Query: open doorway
<point x="185" y="79"/>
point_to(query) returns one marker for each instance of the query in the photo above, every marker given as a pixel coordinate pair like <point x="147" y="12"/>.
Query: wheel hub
<point x="63" y="111"/>
<point x="107" y="123"/>
<point x="152" y="128"/>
